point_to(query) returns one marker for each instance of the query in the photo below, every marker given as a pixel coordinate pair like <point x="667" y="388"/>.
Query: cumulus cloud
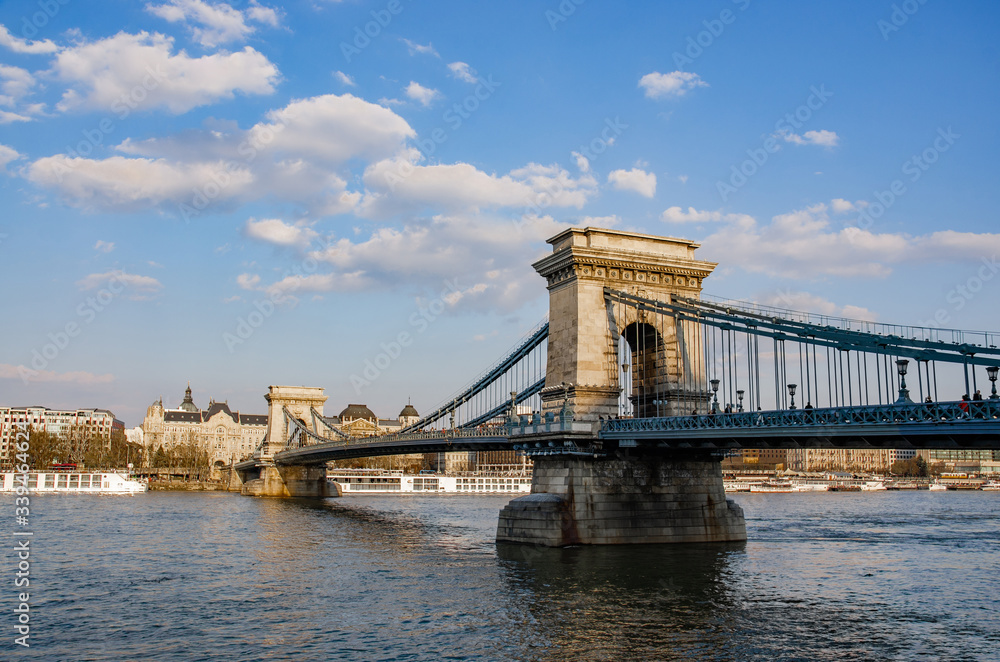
<point x="417" y="49"/>
<point x="640" y="181"/>
<point x="804" y="301"/>
<point x="692" y="215"/>
<point x="135" y="286"/>
<point x="8" y="371"/>
<point x="823" y="138"/>
<point x="248" y="281"/>
<point x="214" y="24"/>
<point x="804" y="244"/>
<point x="104" y="246"/>
<point x="275" y="231"/>
<point x="463" y="72"/>
<point x="344" y="78"/>
<point x="7" y="155"/>
<point x="18" y="45"/>
<point x="425" y="96"/>
<point x="129" y="71"/>
<point x="123" y="184"/>
<point x="401" y="182"/>
<point x="674" y="84"/>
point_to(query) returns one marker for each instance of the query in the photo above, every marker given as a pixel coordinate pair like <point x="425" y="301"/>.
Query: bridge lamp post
<point x="715" y="395"/>
<point x="739" y="396"/>
<point x="992" y="372"/>
<point x="904" y="393"/>
<point x="791" y="392"/>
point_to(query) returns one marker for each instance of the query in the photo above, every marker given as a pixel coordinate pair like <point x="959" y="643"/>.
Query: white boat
<point x="873" y="486"/>
<point x="938" y="487"/>
<point x="811" y="485"/>
<point x="773" y="486"/>
<point x="381" y="482"/>
<point x="76" y="482"/>
<point x="992" y="486"/>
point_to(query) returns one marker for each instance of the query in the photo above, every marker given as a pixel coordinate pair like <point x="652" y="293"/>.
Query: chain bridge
<point x="637" y="386"/>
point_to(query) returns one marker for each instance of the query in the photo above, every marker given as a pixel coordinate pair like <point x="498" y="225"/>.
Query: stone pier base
<point x="291" y="481"/>
<point x="623" y="500"/>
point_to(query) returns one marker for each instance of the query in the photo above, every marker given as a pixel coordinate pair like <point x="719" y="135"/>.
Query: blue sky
<point x="259" y="193"/>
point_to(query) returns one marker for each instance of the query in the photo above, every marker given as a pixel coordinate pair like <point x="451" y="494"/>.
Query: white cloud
<point x="640" y="181"/>
<point x="399" y="183"/>
<point x="824" y="138"/>
<point x="129" y="71"/>
<point x="674" y="84"/>
<point x="806" y="302"/>
<point x="683" y="179"/>
<point x="463" y="72"/>
<point x="802" y="244"/>
<point x="7" y="155"/>
<point x="15" y="83"/>
<point x="600" y="221"/>
<point x="423" y="95"/>
<point x="123" y="184"/>
<point x="262" y="14"/>
<point x="214" y="24"/>
<point x="333" y="128"/>
<point x="415" y="48"/>
<point x="8" y="371"/>
<point x="19" y="45"/>
<point x="8" y="117"/>
<point x="248" y="281"/>
<point x="344" y="78"/>
<point x="692" y="215"/>
<point x="582" y="163"/>
<point x="276" y="231"/>
<point x="136" y="287"/>
<point x="104" y="246"/>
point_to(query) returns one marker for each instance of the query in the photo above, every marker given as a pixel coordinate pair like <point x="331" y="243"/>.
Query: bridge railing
<point x="894" y="414"/>
<point x="495" y="430"/>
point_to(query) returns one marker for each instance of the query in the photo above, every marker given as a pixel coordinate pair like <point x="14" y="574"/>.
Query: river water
<point x="188" y="576"/>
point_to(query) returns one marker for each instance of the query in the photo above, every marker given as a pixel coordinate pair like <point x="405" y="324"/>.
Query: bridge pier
<point x="623" y="499"/>
<point x="290" y="481"/>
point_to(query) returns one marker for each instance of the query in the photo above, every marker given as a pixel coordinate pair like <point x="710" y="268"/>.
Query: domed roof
<point x="357" y="411"/>
<point x="409" y="410"/>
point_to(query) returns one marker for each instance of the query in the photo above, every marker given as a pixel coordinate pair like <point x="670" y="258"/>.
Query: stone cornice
<point x="624" y="266"/>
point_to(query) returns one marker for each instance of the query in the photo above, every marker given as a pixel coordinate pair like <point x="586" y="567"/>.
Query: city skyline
<point x="246" y="194"/>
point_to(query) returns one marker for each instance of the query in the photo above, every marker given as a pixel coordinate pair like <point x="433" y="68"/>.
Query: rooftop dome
<point x="409" y="410"/>
<point x="357" y="411"/>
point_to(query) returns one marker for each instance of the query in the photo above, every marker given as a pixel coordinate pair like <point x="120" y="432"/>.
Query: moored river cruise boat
<point x="367" y="481"/>
<point x="76" y="482"/>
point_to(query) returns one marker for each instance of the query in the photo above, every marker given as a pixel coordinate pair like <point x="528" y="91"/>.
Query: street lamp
<point x="739" y="396"/>
<point x="904" y="393"/>
<point x="715" y="394"/>
<point x="791" y="392"/>
<point x="992" y="372"/>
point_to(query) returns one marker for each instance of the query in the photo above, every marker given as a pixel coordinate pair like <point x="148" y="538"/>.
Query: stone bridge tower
<point x="586" y="332"/>
<point x="584" y="491"/>
<point x="298" y="400"/>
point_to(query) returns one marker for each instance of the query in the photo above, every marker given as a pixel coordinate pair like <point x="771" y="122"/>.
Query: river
<point x="208" y="576"/>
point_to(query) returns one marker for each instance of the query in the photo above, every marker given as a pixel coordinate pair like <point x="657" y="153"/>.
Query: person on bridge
<point x="977" y="395"/>
<point x="964" y="404"/>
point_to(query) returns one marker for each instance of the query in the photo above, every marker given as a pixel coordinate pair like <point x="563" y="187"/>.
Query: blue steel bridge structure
<point x="761" y="377"/>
